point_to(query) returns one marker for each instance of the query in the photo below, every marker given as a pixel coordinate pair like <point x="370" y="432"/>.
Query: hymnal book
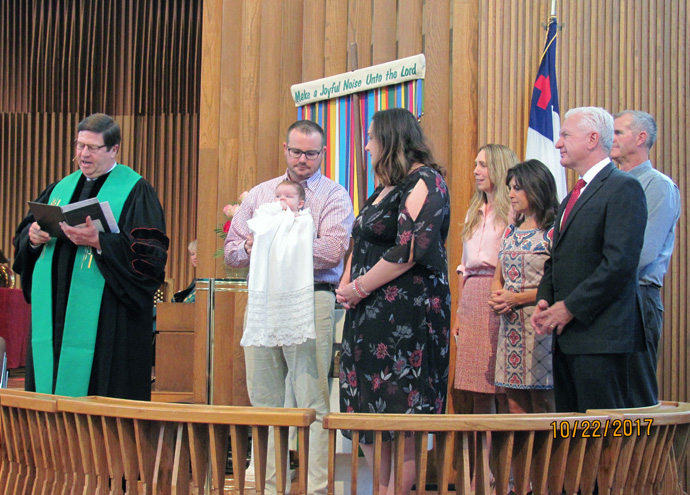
<point x="50" y="216"/>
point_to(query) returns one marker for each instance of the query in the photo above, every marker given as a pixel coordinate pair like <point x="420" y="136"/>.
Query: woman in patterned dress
<point x="395" y="286"/>
<point x="523" y="363"/>
<point x="476" y="327"/>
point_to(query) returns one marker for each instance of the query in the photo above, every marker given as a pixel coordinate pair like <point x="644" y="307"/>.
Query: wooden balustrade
<point x="632" y="451"/>
<point x="97" y="445"/>
<point x="57" y="445"/>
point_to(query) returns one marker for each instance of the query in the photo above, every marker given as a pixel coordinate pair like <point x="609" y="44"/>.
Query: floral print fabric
<point x="395" y="342"/>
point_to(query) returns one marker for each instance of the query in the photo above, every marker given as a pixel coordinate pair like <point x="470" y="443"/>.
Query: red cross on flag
<point x="544" y="118"/>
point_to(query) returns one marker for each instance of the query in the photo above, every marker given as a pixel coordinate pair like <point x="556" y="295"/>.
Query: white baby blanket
<point x="280" y="307"/>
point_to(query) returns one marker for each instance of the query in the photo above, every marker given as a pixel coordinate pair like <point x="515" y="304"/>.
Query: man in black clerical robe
<point x="92" y="293"/>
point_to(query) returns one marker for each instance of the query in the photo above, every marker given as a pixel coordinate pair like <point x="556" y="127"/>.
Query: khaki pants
<point x="305" y="368"/>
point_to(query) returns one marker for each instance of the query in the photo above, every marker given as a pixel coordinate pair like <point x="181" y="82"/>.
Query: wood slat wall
<point x="314" y="41"/>
<point x="617" y="55"/>
<point x="140" y="61"/>
<point x="482" y="58"/>
<point x="137" y="61"/>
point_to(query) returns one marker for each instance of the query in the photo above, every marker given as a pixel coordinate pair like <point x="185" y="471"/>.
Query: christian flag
<point x="544" y="118"/>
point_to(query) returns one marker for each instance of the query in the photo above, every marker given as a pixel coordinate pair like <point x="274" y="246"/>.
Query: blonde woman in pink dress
<point x="476" y="326"/>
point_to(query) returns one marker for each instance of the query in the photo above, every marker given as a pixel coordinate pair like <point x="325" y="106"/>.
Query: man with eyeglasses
<point x="301" y="369"/>
<point x="91" y="294"/>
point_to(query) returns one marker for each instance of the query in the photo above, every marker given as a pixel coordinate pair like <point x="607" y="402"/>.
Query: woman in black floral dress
<point x="395" y="339"/>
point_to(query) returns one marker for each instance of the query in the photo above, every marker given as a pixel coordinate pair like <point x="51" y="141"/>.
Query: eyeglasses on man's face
<point x="311" y="154"/>
<point x="91" y="147"/>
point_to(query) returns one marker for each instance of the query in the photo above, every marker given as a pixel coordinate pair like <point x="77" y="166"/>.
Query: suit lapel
<point x="589" y="192"/>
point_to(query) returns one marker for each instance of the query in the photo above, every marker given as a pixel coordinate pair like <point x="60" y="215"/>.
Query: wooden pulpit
<point x="198" y="354"/>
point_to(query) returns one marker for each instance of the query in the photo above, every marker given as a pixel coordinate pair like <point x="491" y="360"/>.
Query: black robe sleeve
<point x="133" y="261"/>
<point x="24" y="255"/>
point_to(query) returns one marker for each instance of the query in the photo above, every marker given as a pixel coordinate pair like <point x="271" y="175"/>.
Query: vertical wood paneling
<point x="436" y="125"/>
<point x="314" y="35"/>
<point x="617" y="54"/>
<point x="249" y="84"/>
<point x="335" y="47"/>
<point x="56" y="66"/>
<point x="291" y="63"/>
<point x="59" y="63"/>
<point x="383" y="30"/>
<point x="602" y="60"/>
<point x="464" y="137"/>
<point x="359" y="30"/>
<point x="268" y="131"/>
<point x="223" y="179"/>
<point x="410" y="16"/>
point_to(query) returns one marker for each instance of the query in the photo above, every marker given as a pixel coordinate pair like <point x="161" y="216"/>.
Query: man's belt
<point x="324" y="286"/>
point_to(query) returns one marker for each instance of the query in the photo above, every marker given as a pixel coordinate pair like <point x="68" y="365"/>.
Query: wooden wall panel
<point x="616" y="54"/>
<point x="436" y="125"/>
<point x="269" y="90"/>
<point x="410" y="15"/>
<point x="359" y="23"/>
<point x="335" y="52"/>
<point x="384" y="25"/>
<point x="134" y="60"/>
<point x="220" y="113"/>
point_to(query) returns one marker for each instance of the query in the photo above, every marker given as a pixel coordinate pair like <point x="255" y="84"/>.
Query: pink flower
<point x="391" y="293"/>
<point x="405" y="237"/>
<point x="226" y="227"/>
<point x="440" y="185"/>
<point x="378" y="227"/>
<point x="423" y="240"/>
<point x="242" y="196"/>
<point x="376" y="382"/>
<point x="230" y="210"/>
<point x="352" y="378"/>
<point x="399" y="365"/>
<point x="413" y="398"/>
<point x="416" y="358"/>
<point x="381" y="351"/>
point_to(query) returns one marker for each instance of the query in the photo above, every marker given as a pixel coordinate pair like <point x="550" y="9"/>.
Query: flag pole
<point x="553" y="7"/>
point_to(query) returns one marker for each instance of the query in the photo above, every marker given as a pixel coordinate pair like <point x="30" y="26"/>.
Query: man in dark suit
<point x="587" y="294"/>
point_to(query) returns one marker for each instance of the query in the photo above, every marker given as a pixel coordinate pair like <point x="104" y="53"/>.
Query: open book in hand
<point x="50" y="216"/>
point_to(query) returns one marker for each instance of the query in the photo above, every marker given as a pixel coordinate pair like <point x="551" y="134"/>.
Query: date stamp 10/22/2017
<point x="596" y="428"/>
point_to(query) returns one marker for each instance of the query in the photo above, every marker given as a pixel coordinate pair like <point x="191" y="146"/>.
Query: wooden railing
<point x="52" y="444"/>
<point x="97" y="445"/>
<point x="635" y="451"/>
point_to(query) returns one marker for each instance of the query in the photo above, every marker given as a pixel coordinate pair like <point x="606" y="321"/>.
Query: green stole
<point x="83" y="301"/>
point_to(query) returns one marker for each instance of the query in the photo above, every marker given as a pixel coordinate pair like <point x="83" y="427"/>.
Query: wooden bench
<point x="101" y="445"/>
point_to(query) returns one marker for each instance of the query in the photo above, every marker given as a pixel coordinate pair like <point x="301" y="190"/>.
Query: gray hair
<point x="595" y="119"/>
<point x="641" y="121"/>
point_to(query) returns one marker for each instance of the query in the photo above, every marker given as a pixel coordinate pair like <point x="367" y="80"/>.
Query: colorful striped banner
<point x="336" y="116"/>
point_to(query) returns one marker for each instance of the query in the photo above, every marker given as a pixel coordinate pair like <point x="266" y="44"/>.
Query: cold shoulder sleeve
<point x="422" y="240"/>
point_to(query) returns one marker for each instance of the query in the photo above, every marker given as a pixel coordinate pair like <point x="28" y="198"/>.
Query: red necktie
<point x="573" y="198"/>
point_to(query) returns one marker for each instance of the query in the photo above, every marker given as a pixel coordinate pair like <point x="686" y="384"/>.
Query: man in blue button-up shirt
<point x="634" y="135"/>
